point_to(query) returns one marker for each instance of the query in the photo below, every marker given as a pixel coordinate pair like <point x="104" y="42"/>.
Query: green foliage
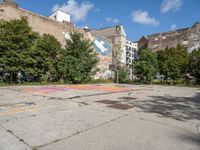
<point x="46" y="55"/>
<point x="173" y="62"/>
<point x="146" y="67"/>
<point x="194" y="65"/>
<point x="123" y="75"/>
<point x="17" y="40"/>
<point x="41" y="58"/>
<point x="78" y="60"/>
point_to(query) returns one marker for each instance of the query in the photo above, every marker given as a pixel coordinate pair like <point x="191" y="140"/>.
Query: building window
<point x="185" y="42"/>
<point x="55" y="17"/>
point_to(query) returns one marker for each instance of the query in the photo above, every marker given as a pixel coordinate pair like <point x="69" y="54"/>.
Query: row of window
<point x="164" y="38"/>
<point x="129" y="49"/>
<point x="128" y="42"/>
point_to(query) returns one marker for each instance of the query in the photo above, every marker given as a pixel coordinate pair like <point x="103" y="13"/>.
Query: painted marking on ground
<point x="19" y="110"/>
<point x="48" y="90"/>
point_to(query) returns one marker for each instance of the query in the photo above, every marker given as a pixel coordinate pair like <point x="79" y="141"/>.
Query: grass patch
<point x="99" y="81"/>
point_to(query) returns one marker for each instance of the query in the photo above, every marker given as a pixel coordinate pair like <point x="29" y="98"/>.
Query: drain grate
<point x="107" y="102"/>
<point x="121" y="106"/>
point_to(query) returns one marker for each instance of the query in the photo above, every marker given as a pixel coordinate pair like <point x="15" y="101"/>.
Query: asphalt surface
<point x="99" y="117"/>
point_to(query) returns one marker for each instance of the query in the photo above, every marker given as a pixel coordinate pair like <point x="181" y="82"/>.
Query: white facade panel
<point x="60" y="16"/>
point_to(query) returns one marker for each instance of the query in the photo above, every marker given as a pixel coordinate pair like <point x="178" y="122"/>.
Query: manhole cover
<point x="107" y="102"/>
<point x="120" y="106"/>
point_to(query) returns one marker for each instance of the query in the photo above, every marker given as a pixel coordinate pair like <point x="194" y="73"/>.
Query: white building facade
<point x="60" y="16"/>
<point x="131" y="53"/>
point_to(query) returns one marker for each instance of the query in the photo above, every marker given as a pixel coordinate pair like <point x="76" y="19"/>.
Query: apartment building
<point x="131" y="52"/>
<point x="188" y="37"/>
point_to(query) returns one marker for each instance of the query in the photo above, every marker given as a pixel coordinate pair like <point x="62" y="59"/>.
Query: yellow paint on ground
<point x="19" y="110"/>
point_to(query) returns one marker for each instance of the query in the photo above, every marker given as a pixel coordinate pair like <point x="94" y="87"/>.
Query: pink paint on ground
<point x="103" y="88"/>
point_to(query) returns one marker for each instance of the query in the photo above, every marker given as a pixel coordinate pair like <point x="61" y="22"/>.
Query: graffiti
<point x="67" y="36"/>
<point x="48" y="90"/>
<point x="102" y="46"/>
<point x="104" y="75"/>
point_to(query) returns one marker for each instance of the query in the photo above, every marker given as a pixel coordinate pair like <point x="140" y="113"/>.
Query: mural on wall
<point x="67" y="36"/>
<point x="102" y="46"/>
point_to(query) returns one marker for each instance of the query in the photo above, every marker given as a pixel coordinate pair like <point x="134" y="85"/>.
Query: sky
<point x="139" y="17"/>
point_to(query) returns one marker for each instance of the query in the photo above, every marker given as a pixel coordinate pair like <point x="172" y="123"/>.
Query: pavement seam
<point x="74" y="97"/>
<point x="198" y="129"/>
<point x="20" y="139"/>
<point x="82" y="131"/>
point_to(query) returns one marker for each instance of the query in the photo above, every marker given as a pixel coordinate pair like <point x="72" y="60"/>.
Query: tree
<point x="183" y="58"/>
<point x="146" y="67"/>
<point x="78" y="60"/>
<point x="22" y="50"/>
<point x="173" y="62"/>
<point x="123" y="75"/>
<point x="17" y="40"/>
<point x="46" y="55"/>
<point x="194" y="65"/>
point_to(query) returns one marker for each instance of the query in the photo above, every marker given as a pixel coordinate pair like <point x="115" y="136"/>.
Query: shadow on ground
<point x="179" y="108"/>
<point x="190" y="138"/>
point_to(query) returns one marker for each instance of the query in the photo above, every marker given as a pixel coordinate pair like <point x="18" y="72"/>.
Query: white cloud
<point x="112" y="20"/>
<point x="78" y="11"/>
<point x="173" y="27"/>
<point x="142" y="17"/>
<point x="171" y="5"/>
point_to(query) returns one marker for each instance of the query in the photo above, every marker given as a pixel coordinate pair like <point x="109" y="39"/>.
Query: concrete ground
<point x="99" y="117"/>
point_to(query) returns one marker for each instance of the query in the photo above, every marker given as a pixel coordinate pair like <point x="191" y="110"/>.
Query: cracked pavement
<point x="140" y="118"/>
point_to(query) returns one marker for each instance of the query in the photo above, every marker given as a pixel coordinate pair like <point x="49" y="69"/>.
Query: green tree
<point x="123" y="75"/>
<point x="46" y="55"/>
<point x="146" y="67"/>
<point x="172" y="62"/>
<point x="194" y="65"/>
<point x="78" y="60"/>
<point x="17" y="40"/>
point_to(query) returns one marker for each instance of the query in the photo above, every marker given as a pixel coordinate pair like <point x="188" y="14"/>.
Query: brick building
<point x="188" y="37"/>
<point x="40" y="24"/>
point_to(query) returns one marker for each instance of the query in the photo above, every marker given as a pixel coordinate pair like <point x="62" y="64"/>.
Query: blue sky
<point x="139" y="17"/>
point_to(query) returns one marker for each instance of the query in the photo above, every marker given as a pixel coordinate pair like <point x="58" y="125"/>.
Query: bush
<point x="123" y="75"/>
